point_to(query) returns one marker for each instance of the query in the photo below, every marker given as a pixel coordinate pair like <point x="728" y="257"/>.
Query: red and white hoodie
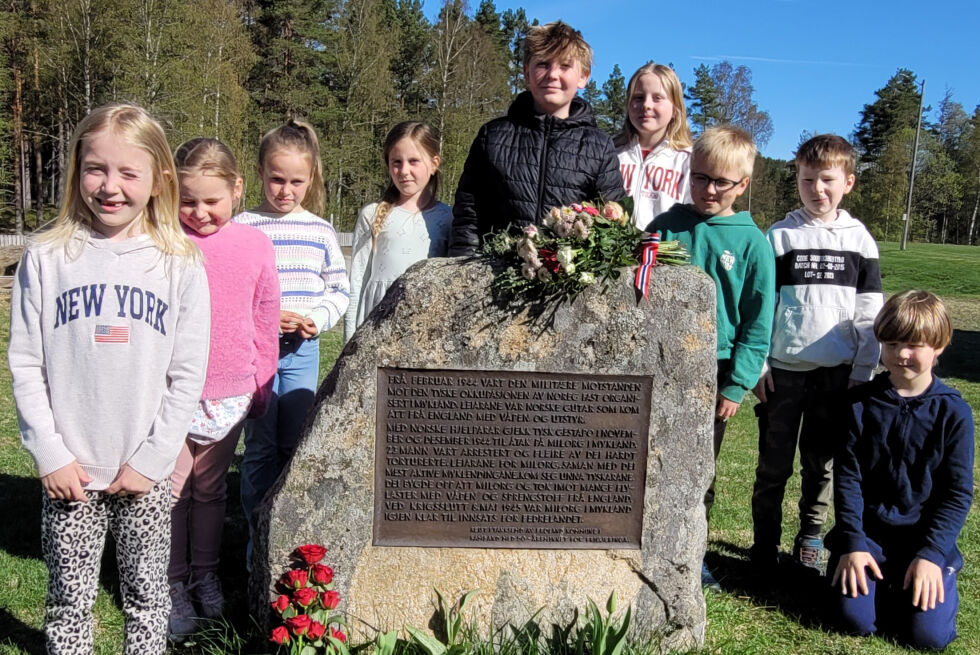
<point x="656" y="182"/>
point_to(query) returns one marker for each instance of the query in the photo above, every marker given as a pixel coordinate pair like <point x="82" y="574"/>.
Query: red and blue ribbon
<point x="648" y="259"/>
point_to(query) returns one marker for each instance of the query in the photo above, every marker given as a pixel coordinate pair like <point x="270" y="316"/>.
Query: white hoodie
<point x="108" y="351"/>
<point x="828" y="292"/>
<point x="657" y="182"/>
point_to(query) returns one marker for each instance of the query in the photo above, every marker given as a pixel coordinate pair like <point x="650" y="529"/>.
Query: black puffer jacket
<point x="523" y="164"/>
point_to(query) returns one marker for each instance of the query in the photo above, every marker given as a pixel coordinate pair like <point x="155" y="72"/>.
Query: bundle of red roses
<point x="304" y="604"/>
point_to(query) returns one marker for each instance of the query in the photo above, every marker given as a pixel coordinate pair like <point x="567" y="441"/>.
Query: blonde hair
<point x="426" y="139"/>
<point x="298" y="135"/>
<point x="914" y="316"/>
<point x="827" y="151"/>
<point x="678" y="132"/>
<point x="207" y="156"/>
<point x="557" y="41"/>
<point x="159" y="218"/>
<point x="725" y="147"/>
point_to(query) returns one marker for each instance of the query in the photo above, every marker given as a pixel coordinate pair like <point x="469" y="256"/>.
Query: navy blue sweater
<point x="904" y="471"/>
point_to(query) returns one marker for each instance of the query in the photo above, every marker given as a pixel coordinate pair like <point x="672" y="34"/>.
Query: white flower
<point x="531" y="231"/>
<point x="529" y="271"/>
<point x="580" y="230"/>
<point x="553" y="217"/>
<point x="563" y="229"/>
<point x="586" y="278"/>
<point x="526" y="250"/>
<point x="544" y="274"/>
<point x="565" y="255"/>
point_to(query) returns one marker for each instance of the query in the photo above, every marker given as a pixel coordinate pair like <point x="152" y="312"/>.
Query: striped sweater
<point x="311" y="269"/>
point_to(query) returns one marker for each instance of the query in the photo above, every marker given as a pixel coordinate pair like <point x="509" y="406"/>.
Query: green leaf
<point x="429" y="644"/>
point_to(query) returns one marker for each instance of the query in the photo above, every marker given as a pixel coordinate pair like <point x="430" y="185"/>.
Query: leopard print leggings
<point x="72" y="539"/>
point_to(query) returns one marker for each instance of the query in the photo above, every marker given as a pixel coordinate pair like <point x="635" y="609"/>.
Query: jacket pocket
<point x="813" y="334"/>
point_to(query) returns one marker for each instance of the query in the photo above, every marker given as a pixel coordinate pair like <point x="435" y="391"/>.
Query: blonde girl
<point x="407" y="225"/>
<point x="654" y="146"/>
<point x="108" y="348"/>
<point x="241" y="270"/>
<point x="315" y="294"/>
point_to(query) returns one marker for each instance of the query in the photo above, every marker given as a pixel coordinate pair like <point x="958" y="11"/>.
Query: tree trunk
<point x="973" y="219"/>
<point x="18" y="134"/>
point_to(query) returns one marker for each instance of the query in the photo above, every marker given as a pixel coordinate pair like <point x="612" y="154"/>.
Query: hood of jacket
<point x="800" y="218"/>
<point x="522" y="111"/>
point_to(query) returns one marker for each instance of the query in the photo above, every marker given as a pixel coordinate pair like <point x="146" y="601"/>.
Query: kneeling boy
<point x="903" y="485"/>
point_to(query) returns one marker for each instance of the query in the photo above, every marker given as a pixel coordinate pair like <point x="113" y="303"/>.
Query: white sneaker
<point x="183" y="621"/>
<point x="207" y="594"/>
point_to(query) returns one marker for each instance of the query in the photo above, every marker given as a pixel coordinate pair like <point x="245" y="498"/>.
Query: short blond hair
<point x="827" y="151"/>
<point x="726" y="147"/>
<point x="558" y="41"/>
<point x="914" y="316"/>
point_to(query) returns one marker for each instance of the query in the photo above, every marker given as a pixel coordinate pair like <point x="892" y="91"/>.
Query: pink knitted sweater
<point x="241" y="268"/>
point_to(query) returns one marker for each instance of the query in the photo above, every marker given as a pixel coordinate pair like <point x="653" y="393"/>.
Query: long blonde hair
<point x="428" y="142"/>
<point x="298" y="135"/>
<point x="211" y="157"/>
<point x="159" y="218"/>
<point x="678" y="131"/>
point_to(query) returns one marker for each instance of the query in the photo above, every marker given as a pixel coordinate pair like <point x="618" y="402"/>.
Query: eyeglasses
<point x="721" y="184"/>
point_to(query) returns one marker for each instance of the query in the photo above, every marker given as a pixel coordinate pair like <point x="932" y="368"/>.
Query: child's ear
<point x="236" y="191"/>
<point x="155" y="191"/>
<point x="849" y="183"/>
<point x="742" y="186"/>
<point x="436" y="163"/>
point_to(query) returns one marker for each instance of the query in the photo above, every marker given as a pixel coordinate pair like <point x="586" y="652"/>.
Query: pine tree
<point x="704" y="109"/>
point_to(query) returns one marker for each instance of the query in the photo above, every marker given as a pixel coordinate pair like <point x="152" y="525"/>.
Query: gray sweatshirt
<point x="108" y="352"/>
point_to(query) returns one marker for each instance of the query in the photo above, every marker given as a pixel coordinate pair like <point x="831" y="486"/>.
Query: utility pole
<point x="915" y="152"/>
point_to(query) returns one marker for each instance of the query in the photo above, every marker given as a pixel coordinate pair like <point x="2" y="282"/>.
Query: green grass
<point x="747" y="617"/>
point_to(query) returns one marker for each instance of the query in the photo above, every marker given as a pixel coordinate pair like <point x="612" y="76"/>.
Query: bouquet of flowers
<point x="578" y="245"/>
<point x="304" y="605"/>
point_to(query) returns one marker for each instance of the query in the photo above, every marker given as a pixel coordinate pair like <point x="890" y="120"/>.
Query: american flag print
<point x="111" y="334"/>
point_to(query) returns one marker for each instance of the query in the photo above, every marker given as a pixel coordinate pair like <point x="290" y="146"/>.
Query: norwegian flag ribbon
<point x="648" y="259"/>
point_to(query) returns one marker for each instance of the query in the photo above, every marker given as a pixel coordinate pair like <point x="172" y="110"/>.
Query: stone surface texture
<point x="440" y="314"/>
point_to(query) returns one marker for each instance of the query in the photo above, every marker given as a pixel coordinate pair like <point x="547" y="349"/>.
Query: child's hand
<point x="725" y="408"/>
<point x="289" y="322"/>
<point x="129" y="481"/>
<point x="67" y="483"/>
<point x="307" y="328"/>
<point x="764" y="384"/>
<point x="850" y="572"/>
<point x="926" y="580"/>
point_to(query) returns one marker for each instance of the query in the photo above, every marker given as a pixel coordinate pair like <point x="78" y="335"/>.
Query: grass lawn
<point x="746" y="617"/>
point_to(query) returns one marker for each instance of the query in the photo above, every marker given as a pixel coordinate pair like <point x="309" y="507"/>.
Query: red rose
<point x="280" y="635"/>
<point x="316" y="630"/>
<point x="322" y="574"/>
<point x="299" y="624"/>
<point x="330" y="599"/>
<point x="304" y="596"/>
<point x="296" y="578"/>
<point x="337" y="634"/>
<point x="281" y="603"/>
<point x="591" y="211"/>
<point x="311" y="553"/>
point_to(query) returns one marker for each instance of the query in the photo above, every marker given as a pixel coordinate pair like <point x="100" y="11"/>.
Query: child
<point x="409" y="224"/>
<point x="546" y="152"/>
<point x="903" y="484"/>
<point x="828" y="292"/>
<point x="315" y="295"/>
<point x="734" y="253"/>
<point x="241" y="270"/>
<point x="654" y="147"/>
<point x="108" y="348"/>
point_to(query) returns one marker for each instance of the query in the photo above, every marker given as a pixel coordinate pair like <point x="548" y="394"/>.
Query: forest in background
<point x="233" y="69"/>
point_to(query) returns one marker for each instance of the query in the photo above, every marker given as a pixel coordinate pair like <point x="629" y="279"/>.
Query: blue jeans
<point x="271" y="440"/>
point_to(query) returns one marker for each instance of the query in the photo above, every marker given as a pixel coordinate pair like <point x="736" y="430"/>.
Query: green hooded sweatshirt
<point x="737" y="256"/>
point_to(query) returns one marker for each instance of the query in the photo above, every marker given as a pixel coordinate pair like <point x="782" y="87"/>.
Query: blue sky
<point x="815" y="64"/>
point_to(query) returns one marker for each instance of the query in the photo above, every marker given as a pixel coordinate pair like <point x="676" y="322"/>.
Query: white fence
<point x="13" y="240"/>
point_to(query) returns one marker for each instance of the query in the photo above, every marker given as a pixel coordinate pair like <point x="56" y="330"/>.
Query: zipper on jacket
<point x="548" y="123"/>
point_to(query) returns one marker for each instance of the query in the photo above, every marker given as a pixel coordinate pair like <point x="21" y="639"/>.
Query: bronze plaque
<point x="502" y="459"/>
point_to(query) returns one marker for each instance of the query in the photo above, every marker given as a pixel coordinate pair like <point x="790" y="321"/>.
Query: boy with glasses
<point x="828" y="292"/>
<point x="729" y="247"/>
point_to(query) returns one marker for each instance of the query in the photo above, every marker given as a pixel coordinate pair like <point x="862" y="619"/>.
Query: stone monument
<point x="541" y="457"/>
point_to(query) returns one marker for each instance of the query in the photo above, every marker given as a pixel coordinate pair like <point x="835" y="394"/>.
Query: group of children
<point x="119" y="288"/>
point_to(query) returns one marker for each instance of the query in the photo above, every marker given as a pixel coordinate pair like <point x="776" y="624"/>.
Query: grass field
<point x="747" y="617"/>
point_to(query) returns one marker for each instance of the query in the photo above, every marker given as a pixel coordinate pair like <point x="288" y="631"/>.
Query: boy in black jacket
<point x="903" y="485"/>
<point x="546" y="152"/>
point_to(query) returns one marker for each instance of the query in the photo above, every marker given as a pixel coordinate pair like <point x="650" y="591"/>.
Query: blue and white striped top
<point x="311" y="269"/>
